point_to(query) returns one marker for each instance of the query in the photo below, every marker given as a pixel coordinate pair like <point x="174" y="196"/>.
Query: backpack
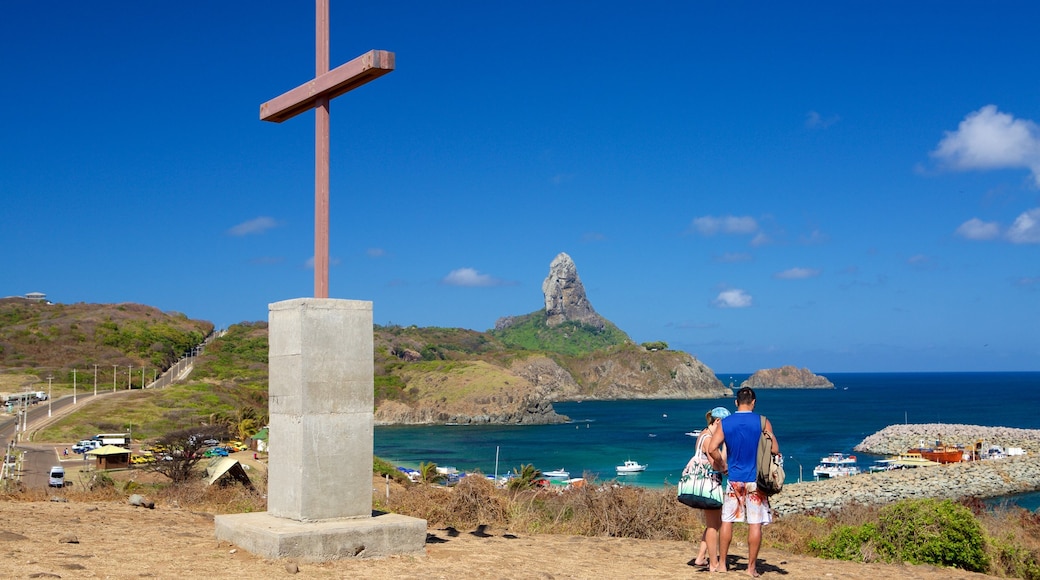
<point x="770" y="467"/>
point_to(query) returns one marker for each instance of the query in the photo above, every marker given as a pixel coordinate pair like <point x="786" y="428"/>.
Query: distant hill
<point x="787" y="377"/>
<point x="510" y="374"/>
<point x="513" y="373"/>
<point x="37" y="338"/>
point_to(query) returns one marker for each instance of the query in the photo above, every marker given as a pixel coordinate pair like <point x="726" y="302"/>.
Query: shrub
<point x="846" y="543"/>
<point x="931" y="531"/>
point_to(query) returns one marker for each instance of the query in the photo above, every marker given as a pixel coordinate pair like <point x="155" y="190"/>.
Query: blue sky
<point x="846" y="186"/>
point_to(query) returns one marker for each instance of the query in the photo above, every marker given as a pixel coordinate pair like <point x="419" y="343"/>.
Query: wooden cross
<point x="316" y="94"/>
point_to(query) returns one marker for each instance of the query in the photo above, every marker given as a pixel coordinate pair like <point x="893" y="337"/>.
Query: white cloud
<point x="735" y="298"/>
<point x="976" y="229"/>
<point x="472" y="278"/>
<point x="590" y="237"/>
<point x="989" y="139"/>
<point x="797" y="274"/>
<point x="254" y="226"/>
<point x="375" y="252"/>
<point x="1026" y="229"/>
<point x="711" y="225"/>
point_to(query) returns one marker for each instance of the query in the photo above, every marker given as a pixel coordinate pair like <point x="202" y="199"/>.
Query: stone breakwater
<point x="896" y="439"/>
<point x="982" y="479"/>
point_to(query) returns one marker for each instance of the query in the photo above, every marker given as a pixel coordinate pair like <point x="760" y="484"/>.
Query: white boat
<point x="836" y="465"/>
<point x="557" y="473"/>
<point x="630" y="467"/>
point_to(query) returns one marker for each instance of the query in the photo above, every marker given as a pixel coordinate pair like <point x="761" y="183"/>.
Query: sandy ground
<point x="116" y="540"/>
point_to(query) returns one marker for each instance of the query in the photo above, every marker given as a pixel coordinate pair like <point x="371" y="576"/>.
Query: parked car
<point x="57" y="477"/>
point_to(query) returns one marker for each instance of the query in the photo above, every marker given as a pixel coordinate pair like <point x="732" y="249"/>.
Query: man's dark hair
<point x="745" y="396"/>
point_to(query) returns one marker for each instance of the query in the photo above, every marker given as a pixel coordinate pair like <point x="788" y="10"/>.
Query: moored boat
<point x="905" y="460"/>
<point x="836" y="465"/>
<point x="630" y="467"/>
<point x="941" y="453"/>
<point x="557" y="474"/>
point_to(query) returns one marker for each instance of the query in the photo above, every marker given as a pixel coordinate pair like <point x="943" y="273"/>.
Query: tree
<point x="184" y="449"/>
<point x="524" y="477"/>
<point x="428" y="473"/>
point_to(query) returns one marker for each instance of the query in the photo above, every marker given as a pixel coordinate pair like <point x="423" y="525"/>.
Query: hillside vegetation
<point x="228" y="387"/>
<point x="421" y="375"/>
<point x="39" y="339"/>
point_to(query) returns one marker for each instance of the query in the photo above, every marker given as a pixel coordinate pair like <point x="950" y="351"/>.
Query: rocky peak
<point x="565" y="295"/>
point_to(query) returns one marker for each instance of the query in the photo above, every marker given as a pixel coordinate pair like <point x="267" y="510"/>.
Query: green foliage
<point x="931" y="531"/>
<point x="530" y="332"/>
<point x="1013" y="560"/>
<point x="240" y="355"/>
<point x="389" y="388"/>
<point x="844" y="542"/>
<point x="920" y="531"/>
<point x="656" y="345"/>
<point x="428" y="474"/>
<point x="384" y="467"/>
<point x="158" y="343"/>
<point x="524" y="477"/>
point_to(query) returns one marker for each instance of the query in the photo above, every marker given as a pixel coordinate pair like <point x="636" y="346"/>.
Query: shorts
<point x="744" y="503"/>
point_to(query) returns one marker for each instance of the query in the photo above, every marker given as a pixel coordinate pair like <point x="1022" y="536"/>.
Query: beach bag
<point x="770" y="467"/>
<point x="701" y="486"/>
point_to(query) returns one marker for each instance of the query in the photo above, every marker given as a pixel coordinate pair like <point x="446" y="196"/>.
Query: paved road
<point x="39" y="459"/>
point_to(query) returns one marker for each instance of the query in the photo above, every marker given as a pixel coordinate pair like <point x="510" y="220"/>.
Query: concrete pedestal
<point x="319" y="500"/>
<point x="370" y="537"/>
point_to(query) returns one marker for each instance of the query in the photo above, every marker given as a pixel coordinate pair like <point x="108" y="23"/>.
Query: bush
<point x="931" y="531"/>
<point x="925" y="531"/>
<point x="846" y="543"/>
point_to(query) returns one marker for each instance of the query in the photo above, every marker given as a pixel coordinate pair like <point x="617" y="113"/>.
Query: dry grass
<point x="597" y="509"/>
<point x="1013" y="535"/>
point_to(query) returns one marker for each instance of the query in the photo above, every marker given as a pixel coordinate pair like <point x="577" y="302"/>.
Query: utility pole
<point x="73" y="386"/>
<point x="95" y="379"/>
<point x="114" y="372"/>
<point x="49" y="397"/>
<point x="129" y="368"/>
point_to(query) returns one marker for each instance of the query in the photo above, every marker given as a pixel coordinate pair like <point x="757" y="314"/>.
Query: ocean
<point x="809" y="424"/>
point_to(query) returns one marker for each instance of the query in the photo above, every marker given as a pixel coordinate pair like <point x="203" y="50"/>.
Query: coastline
<point x="982" y="479"/>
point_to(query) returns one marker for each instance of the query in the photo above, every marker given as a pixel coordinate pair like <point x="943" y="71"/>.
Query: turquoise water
<point x="809" y="424"/>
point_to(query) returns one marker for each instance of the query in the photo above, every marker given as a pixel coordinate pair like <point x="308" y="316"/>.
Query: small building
<point x="258" y="442"/>
<point x="111" y="457"/>
<point x="36" y="296"/>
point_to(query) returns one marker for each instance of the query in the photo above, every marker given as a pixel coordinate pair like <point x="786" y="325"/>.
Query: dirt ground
<point x="117" y="540"/>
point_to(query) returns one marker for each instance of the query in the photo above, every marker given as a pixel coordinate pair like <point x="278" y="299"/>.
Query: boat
<point x="557" y="473"/>
<point x="836" y="465"/>
<point x="941" y="453"/>
<point x="630" y="467"/>
<point x="905" y="460"/>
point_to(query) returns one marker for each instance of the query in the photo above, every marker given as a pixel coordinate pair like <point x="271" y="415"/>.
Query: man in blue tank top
<point x="744" y="502"/>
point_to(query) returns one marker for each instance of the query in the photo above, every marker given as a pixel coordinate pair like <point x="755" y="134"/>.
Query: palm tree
<point x="524" y="477"/>
<point x="428" y="473"/>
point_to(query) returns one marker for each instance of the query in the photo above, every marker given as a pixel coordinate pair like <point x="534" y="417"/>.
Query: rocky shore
<point x="896" y="439"/>
<point x="982" y="479"/>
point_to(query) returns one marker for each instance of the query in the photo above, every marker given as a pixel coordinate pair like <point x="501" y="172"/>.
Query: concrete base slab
<point x="273" y="537"/>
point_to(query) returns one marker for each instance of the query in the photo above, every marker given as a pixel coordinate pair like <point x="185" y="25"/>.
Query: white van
<point x="57" y="477"/>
